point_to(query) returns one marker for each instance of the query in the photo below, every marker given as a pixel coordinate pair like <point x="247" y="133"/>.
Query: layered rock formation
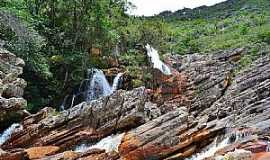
<point x="203" y="99"/>
<point x="11" y="88"/>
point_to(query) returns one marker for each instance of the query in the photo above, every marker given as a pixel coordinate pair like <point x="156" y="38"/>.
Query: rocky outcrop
<point x="246" y="97"/>
<point x="84" y="122"/>
<point x="17" y="154"/>
<point x="204" y="99"/>
<point x="11" y="88"/>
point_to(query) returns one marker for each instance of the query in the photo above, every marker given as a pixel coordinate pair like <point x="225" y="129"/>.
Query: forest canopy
<point x="60" y="39"/>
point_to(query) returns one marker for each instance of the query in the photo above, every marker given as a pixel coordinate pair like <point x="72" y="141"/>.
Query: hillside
<point x="230" y="24"/>
<point x="221" y="10"/>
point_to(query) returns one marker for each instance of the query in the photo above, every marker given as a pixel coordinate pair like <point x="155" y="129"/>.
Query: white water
<point x="116" y="81"/>
<point x="72" y="101"/>
<point x="229" y="139"/>
<point x="98" y="86"/>
<point x="8" y="132"/>
<point x="211" y="151"/>
<point x="109" y="144"/>
<point x="158" y="64"/>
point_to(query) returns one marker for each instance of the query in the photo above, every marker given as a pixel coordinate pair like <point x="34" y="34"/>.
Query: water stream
<point x="109" y="144"/>
<point x="155" y="60"/>
<point x="96" y="86"/>
<point x="230" y="138"/>
<point x="116" y="82"/>
<point x="99" y="85"/>
<point x="8" y="132"/>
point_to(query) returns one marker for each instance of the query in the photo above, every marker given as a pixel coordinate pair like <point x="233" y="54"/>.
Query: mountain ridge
<point x="219" y="10"/>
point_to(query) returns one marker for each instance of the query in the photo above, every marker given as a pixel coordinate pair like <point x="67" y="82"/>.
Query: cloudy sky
<point x="151" y="7"/>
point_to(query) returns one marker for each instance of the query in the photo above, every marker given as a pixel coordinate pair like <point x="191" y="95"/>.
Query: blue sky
<point x="151" y="7"/>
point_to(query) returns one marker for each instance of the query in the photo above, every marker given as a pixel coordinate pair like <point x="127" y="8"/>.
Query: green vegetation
<point x="60" y="39"/>
<point x="56" y="38"/>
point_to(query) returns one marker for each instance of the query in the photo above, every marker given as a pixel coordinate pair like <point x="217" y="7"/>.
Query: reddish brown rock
<point x="70" y="155"/>
<point x="229" y="148"/>
<point x="101" y="156"/>
<point x="121" y="111"/>
<point x="261" y="156"/>
<point x="188" y="152"/>
<point x="172" y="88"/>
<point x="41" y="152"/>
<point x="160" y="138"/>
<point x="17" y="154"/>
<point x="255" y="147"/>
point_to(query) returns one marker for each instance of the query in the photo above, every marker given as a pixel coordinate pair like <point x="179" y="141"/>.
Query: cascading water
<point x="8" y="132"/>
<point x="116" y="81"/>
<point x="109" y="144"/>
<point x="212" y="150"/>
<point x="157" y="63"/>
<point x="98" y="86"/>
<point x="233" y="137"/>
<point x="72" y="100"/>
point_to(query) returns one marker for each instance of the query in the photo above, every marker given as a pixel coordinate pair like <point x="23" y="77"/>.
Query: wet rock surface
<point x="204" y="98"/>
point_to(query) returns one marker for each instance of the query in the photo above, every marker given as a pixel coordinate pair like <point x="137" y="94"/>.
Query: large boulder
<point x="41" y="152"/>
<point x="87" y="121"/>
<point x="12" y="104"/>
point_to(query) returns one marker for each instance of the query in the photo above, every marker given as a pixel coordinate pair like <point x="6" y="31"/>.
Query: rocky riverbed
<point x="205" y="110"/>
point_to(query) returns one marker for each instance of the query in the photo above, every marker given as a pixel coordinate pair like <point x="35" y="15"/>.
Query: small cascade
<point x="98" y="86"/>
<point x="116" y="81"/>
<point x="72" y="100"/>
<point x="230" y="138"/>
<point x="8" y="132"/>
<point x="236" y="136"/>
<point x="109" y="144"/>
<point x="212" y="150"/>
<point x="82" y="148"/>
<point x="158" y="64"/>
<point x="268" y="147"/>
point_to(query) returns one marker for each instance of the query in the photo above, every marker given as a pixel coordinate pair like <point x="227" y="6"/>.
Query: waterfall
<point x="109" y="144"/>
<point x="116" y="81"/>
<point x="98" y="86"/>
<point x="155" y="60"/>
<point x="72" y="100"/>
<point x="8" y="132"/>
<point x="230" y="138"/>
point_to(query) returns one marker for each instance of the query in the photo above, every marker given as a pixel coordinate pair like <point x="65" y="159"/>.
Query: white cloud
<point x="151" y="7"/>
